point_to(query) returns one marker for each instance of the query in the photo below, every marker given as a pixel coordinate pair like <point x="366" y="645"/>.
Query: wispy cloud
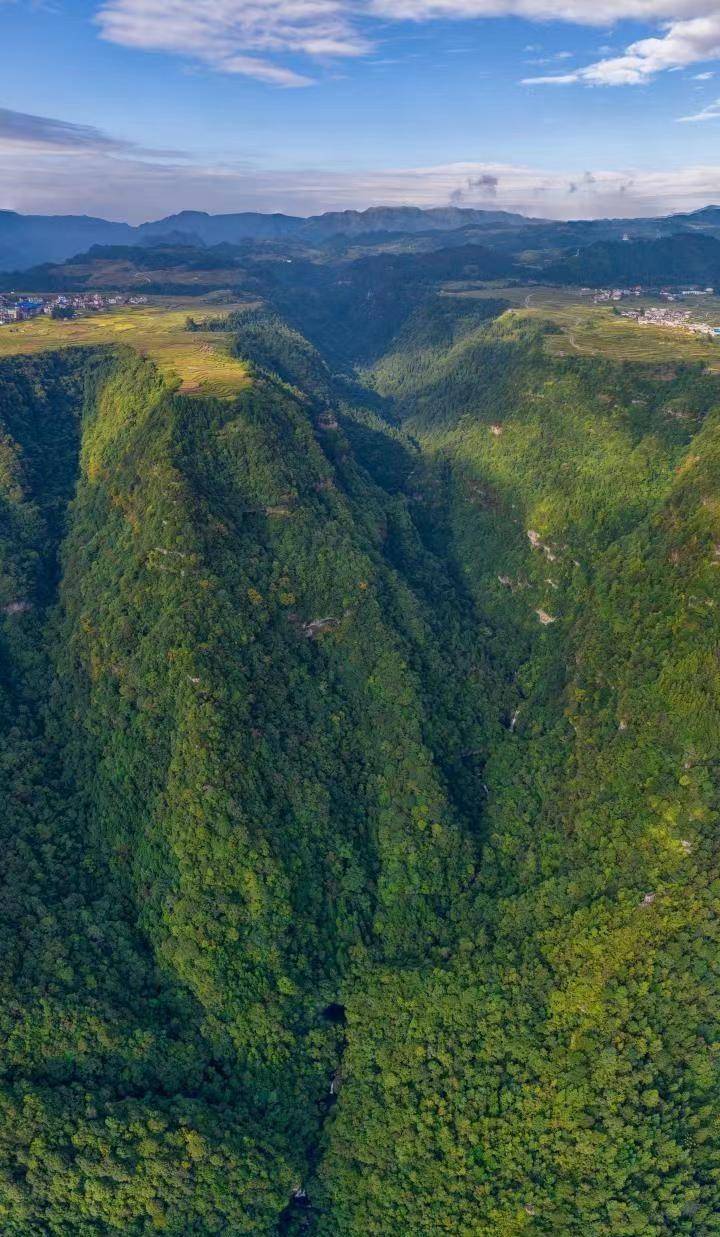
<point x="236" y="36"/>
<point x="258" y="37"/>
<point x="22" y="131"/>
<point x="579" y="12"/>
<point x="711" y="112"/>
<point x="682" y="43"/>
<point x="553" y="59"/>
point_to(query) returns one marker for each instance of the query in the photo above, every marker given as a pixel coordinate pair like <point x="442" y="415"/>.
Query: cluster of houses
<point x="678" y="319"/>
<point x="17" y="308"/>
<point x="603" y="295"/>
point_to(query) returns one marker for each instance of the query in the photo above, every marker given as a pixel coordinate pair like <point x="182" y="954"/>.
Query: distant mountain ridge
<point x="28" y="240"/>
<point x="213" y="229"/>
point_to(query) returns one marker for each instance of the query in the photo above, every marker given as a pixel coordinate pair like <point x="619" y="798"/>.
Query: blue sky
<point x="555" y="107"/>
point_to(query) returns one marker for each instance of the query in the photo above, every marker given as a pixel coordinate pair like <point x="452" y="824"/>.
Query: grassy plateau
<point x="195" y="360"/>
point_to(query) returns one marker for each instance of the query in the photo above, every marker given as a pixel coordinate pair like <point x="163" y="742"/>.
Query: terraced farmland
<point x="586" y="329"/>
<point x="196" y="361"/>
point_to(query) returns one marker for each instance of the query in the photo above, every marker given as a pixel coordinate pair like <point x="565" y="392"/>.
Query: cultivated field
<point x="595" y="330"/>
<point x="196" y="361"/>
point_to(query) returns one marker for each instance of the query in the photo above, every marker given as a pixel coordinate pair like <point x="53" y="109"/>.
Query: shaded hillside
<point x="557" y="1076"/>
<point x="361" y="300"/>
<point x="688" y="258"/>
<point x="351" y="311"/>
<point x="163" y="269"/>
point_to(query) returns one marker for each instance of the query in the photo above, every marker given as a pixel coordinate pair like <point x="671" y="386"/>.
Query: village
<point x="672" y="315"/>
<point x="675" y="319"/>
<point x="15" y="307"/>
<point x="601" y="296"/>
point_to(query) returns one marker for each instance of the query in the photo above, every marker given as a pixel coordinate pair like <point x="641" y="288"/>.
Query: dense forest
<point x="687" y="258"/>
<point x="360" y="769"/>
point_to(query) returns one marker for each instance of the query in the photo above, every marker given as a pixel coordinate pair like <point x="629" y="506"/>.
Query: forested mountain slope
<point x="559" y="1076"/>
<point x="685" y="258"/>
<point x="360" y="754"/>
<point x="243" y="747"/>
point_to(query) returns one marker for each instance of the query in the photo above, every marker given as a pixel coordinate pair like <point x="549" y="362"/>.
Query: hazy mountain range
<point x="27" y="240"/>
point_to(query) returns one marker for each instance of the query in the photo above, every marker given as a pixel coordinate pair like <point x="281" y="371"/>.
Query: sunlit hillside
<point x="195" y="361"/>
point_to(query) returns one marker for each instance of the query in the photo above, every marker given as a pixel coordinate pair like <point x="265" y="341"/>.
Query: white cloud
<point x="577" y="12"/>
<point x="682" y="43"/>
<point x="702" y="77"/>
<point x="221" y="33"/>
<point x="711" y="112"/>
<point x="248" y="36"/>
